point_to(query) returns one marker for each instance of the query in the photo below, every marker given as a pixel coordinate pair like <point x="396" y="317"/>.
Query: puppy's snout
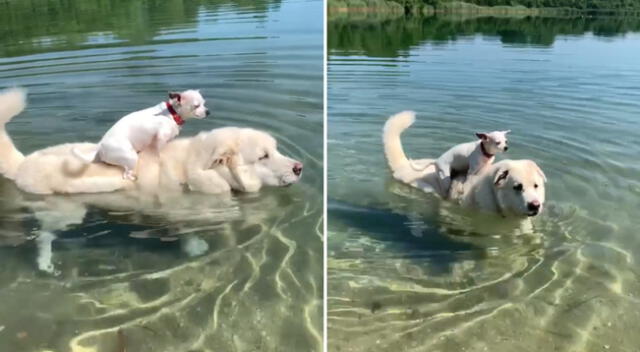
<point x="506" y="147"/>
<point x="297" y="169"/>
<point x="533" y="206"/>
<point x="206" y="112"/>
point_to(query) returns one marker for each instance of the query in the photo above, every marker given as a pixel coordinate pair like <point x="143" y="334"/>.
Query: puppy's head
<point x="189" y="104"/>
<point x="259" y="150"/>
<point x="519" y="187"/>
<point x="494" y="142"/>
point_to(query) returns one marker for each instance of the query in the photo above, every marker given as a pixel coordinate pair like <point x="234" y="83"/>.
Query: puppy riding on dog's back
<point x="512" y="188"/>
<point x="142" y="129"/>
<point x="469" y="157"/>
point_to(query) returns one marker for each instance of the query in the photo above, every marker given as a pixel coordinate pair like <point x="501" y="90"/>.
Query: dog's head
<point x="259" y="151"/>
<point x="189" y="104"/>
<point x="254" y="156"/>
<point x="519" y="187"/>
<point x="494" y="142"/>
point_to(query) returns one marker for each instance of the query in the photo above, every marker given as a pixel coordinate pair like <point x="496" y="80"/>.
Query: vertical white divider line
<point x="324" y="178"/>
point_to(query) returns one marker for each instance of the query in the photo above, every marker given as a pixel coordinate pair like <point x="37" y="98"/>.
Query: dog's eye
<point x="265" y="156"/>
<point x="518" y="187"/>
<point x="498" y="143"/>
<point x="535" y="186"/>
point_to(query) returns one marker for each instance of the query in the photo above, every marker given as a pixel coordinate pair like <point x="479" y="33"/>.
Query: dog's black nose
<point x="506" y="148"/>
<point x="207" y="112"/>
<point x="533" y="206"/>
<point x="297" y="169"/>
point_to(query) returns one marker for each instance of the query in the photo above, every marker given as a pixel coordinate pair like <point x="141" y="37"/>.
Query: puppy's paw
<point x="129" y="175"/>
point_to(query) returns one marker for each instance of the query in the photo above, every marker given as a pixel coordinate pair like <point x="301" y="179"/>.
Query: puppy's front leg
<point x="161" y="139"/>
<point x="474" y="167"/>
<point x="476" y="164"/>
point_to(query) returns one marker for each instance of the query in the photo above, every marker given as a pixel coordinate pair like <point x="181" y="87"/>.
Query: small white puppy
<point x="141" y="129"/>
<point x="469" y="157"/>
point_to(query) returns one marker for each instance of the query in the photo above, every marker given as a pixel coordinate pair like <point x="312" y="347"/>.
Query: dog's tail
<point x="394" y="127"/>
<point x="12" y="102"/>
<point x="85" y="157"/>
<point x="420" y="168"/>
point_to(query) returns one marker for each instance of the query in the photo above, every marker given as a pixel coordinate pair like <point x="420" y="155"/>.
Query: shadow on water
<point x="397" y="229"/>
<point x="393" y="37"/>
<point x="35" y="26"/>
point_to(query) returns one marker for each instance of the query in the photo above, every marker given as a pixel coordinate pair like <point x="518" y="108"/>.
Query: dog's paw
<point x="194" y="246"/>
<point x="49" y="268"/>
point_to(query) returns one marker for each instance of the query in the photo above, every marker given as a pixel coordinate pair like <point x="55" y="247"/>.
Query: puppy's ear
<point x="500" y="177"/>
<point x="175" y="96"/>
<point x="539" y="171"/>
<point x="482" y="136"/>
<point x="505" y="132"/>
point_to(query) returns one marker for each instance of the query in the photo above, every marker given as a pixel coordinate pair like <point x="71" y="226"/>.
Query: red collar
<point x="174" y="114"/>
<point x="484" y="151"/>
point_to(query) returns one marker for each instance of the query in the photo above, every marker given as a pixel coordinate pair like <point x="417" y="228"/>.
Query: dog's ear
<point x="505" y="132"/>
<point x="175" y="96"/>
<point x="539" y="171"/>
<point x="500" y="177"/>
<point x="482" y="136"/>
<point x="223" y="156"/>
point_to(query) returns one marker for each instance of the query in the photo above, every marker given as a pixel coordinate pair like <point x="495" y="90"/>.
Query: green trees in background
<point x="67" y="24"/>
<point x="630" y="5"/>
<point x="395" y="37"/>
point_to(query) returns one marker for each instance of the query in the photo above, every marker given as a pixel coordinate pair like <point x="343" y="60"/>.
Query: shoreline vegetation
<point x="554" y="8"/>
<point x="385" y="37"/>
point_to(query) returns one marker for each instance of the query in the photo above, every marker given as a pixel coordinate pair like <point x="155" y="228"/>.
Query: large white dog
<point x="508" y="187"/>
<point x="216" y="161"/>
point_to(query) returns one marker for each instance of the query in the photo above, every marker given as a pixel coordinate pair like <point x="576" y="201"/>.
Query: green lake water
<point x="409" y="272"/>
<point x="255" y="283"/>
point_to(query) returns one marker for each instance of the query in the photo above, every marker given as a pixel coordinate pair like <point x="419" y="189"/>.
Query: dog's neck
<point x="485" y="152"/>
<point x="176" y="117"/>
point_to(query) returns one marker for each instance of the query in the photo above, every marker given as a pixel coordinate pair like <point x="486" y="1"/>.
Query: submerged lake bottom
<point x="161" y="277"/>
